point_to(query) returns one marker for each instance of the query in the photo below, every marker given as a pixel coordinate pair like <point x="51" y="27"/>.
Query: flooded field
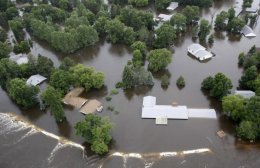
<point x="136" y="142"/>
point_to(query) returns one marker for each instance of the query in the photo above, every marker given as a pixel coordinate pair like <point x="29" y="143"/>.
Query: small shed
<point x="164" y="17"/>
<point x="172" y="6"/>
<point x="35" y="80"/>
<point x="247" y="94"/>
<point x="19" y="58"/>
<point x="91" y="106"/>
<point x="247" y="31"/>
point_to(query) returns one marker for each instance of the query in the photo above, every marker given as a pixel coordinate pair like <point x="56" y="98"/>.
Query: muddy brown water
<point x="132" y="134"/>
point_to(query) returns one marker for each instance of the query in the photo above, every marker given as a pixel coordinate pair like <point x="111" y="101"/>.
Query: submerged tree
<point x="21" y="93"/>
<point x="52" y="99"/>
<point x="96" y="131"/>
<point x="180" y="82"/>
<point x="159" y="59"/>
<point x="204" y="30"/>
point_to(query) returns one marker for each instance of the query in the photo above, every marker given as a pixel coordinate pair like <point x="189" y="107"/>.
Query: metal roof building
<point x="35" y="80"/>
<point x="245" y="93"/>
<point x="199" y="52"/>
<point x="172" y="6"/>
<point x="151" y="110"/>
<point x="247" y="31"/>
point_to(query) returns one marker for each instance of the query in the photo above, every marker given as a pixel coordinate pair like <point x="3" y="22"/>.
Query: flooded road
<point x="138" y="142"/>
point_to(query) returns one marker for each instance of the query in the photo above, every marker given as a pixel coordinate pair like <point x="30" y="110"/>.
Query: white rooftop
<point x="172" y="6"/>
<point x="35" y="80"/>
<point x="245" y="93"/>
<point x="199" y="51"/>
<point x="161" y="121"/>
<point x="19" y="59"/>
<point x="151" y="110"/>
<point x="164" y="17"/>
<point x="202" y="113"/>
<point x="247" y="31"/>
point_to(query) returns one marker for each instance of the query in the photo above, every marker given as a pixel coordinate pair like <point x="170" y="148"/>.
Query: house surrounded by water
<point x="199" y="52"/>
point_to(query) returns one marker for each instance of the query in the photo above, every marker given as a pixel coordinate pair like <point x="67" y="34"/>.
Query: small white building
<point x="163" y="17"/>
<point x="19" y="58"/>
<point x="163" y="112"/>
<point x="199" y="52"/>
<point x="247" y="31"/>
<point x="172" y="6"/>
<point x="35" y="80"/>
<point x="247" y="94"/>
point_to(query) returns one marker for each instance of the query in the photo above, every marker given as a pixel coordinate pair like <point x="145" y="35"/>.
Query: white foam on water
<point x="13" y="123"/>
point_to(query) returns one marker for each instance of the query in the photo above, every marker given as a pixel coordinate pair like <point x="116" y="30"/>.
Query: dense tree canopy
<point x="138" y="3"/>
<point x="179" y="21"/>
<point x="200" y="3"/>
<point x="21" y="93"/>
<point x="191" y="13"/>
<point x="165" y="36"/>
<point x="162" y="4"/>
<point x="53" y="99"/>
<point x="218" y="86"/>
<point x="4" y="50"/>
<point x="159" y="59"/>
<point x="204" y="29"/>
<point x="247" y="80"/>
<point x="220" y="22"/>
<point x="96" y="131"/>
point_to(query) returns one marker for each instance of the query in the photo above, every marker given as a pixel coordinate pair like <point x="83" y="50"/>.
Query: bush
<point x="108" y="98"/>
<point x="111" y="108"/>
<point x="165" y="81"/>
<point x="22" y="47"/>
<point x="180" y="82"/>
<point x="207" y="83"/>
<point x="119" y="85"/>
<point x="114" y="92"/>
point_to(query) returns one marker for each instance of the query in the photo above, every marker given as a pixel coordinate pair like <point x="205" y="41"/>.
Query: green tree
<point x="44" y="66"/>
<point x="11" y="13"/>
<point x="252" y="110"/>
<point x="8" y="71"/>
<point x="4" y="50"/>
<point x="137" y="58"/>
<point x="129" y="36"/>
<point x="52" y="98"/>
<point x="165" y="36"/>
<point x="247" y="130"/>
<point x="180" y="82"/>
<point x="241" y="58"/>
<point x="141" y="46"/>
<point x="3" y="35"/>
<point x="100" y="25"/>
<point x="231" y="14"/>
<point x="22" y="47"/>
<point x="247" y="80"/>
<point x="128" y="77"/>
<point x="162" y="4"/>
<point x="115" y="31"/>
<point x="207" y="83"/>
<point x="165" y="82"/>
<point x="96" y="131"/>
<point x="138" y="3"/>
<point x="220" y="21"/>
<point x="17" y="27"/>
<point x="191" y="13"/>
<point x="61" y="80"/>
<point x="234" y="106"/>
<point x="159" y="59"/>
<point x="221" y="87"/>
<point x="211" y="39"/>
<point x="178" y="21"/>
<point x="66" y="64"/>
<point x="204" y="29"/>
<point x="21" y="93"/>
<point x="200" y="3"/>
<point x="236" y="25"/>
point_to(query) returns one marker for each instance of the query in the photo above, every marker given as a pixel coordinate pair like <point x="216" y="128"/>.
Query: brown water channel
<point x="133" y="134"/>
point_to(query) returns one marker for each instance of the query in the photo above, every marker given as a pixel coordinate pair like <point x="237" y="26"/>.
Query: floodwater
<point x="136" y="142"/>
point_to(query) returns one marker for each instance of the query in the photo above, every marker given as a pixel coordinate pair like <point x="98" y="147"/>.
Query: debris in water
<point x="221" y="133"/>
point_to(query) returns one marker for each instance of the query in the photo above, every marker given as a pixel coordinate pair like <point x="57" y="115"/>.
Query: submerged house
<point x="247" y="31"/>
<point x="35" y="80"/>
<point x="19" y="59"/>
<point x="199" y="52"/>
<point x="172" y="6"/>
<point x="163" y="112"/>
<point x="247" y="94"/>
<point x="163" y="17"/>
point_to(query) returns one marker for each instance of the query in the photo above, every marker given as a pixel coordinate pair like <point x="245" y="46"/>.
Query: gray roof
<point x="35" y="80"/>
<point x="247" y="31"/>
<point x="19" y="58"/>
<point x="245" y="93"/>
<point x="199" y="51"/>
<point x="202" y="113"/>
<point x="164" y="17"/>
<point x="172" y="6"/>
<point x="252" y="10"/>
